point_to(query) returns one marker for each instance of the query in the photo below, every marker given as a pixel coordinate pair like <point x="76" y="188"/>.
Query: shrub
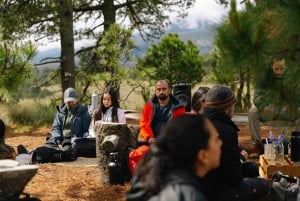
<point x="32" y="114"/>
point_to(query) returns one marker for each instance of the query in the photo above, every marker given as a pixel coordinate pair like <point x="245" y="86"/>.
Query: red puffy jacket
<point x="177" y="109"/>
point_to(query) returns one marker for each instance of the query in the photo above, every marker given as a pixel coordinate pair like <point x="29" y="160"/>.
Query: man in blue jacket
<point x="72" y="119"/>
<point x="70" y="126"/>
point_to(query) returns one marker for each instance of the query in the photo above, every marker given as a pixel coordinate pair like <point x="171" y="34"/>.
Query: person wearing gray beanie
<point x="229" y="182"/>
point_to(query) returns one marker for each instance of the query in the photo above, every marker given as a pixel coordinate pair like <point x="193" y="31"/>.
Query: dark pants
<point x="249" y="189"/>
<point x="85" y="147"/>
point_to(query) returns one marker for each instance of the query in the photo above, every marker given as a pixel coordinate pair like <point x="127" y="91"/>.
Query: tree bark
<point x="67" y="63"/>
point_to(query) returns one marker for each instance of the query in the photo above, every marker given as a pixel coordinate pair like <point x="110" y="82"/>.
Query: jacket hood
<point x="63" y="108"/>
<point x="177" y="176"/>
<point x="215" y="114"/>
<point x="176" y="103"/>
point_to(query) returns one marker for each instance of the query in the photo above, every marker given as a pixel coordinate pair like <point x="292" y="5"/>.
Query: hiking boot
<point x="22" y="150"/>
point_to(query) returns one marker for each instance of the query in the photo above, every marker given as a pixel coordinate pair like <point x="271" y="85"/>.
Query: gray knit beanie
<point x="219" y="97"/>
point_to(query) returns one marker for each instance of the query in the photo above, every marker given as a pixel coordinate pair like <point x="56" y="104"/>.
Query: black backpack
<point x="85" y="147"/>
<point x="51" y="153"/>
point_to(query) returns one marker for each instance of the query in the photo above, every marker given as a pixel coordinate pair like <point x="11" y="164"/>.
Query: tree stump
<point x="112" y="137"/>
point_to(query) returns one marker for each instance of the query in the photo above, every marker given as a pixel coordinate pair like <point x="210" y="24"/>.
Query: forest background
<point x="244" y="42"/>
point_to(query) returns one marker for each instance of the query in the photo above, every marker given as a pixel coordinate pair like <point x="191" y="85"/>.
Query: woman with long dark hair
<point x="109" y="109"/>
<point x="187" y="148"/>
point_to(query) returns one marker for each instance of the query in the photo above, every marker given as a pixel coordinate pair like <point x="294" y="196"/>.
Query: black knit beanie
<point x="219" y="97"/>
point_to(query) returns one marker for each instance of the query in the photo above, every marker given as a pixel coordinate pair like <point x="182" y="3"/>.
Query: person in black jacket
<point x="6" y="151"/>
<point x="227" y="182"/>
<point x="185" y="151"/>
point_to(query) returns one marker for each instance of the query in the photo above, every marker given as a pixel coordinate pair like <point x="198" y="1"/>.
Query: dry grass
<point x="55" y="182"/>
<point x="78" y="183"/>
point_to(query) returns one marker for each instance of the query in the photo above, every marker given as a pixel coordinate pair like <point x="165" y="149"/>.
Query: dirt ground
<point x="77" y="183"/>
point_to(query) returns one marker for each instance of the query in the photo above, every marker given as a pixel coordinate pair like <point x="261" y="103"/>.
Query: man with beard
<point x="273" y="100"/>
<point x="72" y="119"/>
<point x="162" y="107"/>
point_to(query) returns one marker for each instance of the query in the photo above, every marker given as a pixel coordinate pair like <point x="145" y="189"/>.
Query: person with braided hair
<point x="198" y="100"/>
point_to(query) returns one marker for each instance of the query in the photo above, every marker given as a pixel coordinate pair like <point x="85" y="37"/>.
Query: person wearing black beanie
<point x="227" y="182"/>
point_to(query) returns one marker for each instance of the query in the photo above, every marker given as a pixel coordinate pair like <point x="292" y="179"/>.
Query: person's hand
<point x="59" y="146"/>
<point x="244" y="153"/>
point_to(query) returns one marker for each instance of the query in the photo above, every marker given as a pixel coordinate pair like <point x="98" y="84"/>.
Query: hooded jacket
<point x="229" y="173"/>
<point x="179" y="185"/>
<point x="177" y="108"/>
<point x="80" y="123"/>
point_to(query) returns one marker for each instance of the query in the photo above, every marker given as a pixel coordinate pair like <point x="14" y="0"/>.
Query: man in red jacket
<point x="161" y="107"/>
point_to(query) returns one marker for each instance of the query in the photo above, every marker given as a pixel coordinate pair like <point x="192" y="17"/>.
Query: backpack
<point x="284" y="188"/>
<point x="51" y="153"/>
<point x="85" y="147"/>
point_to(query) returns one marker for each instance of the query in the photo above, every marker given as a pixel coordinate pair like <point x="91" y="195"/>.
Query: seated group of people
<point x="72" y="122"/>
<point x="192" y="156"/>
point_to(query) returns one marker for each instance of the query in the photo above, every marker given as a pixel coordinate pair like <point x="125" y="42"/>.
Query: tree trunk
<point x="248" y="96"/>
<point x="67" y="63"/>
<point x="239" y="105"/>
<point x="109" y="13"/>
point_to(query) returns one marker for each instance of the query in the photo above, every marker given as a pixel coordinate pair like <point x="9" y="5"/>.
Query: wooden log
<point x="110" y="143"/>
<point x="112" y="137"/>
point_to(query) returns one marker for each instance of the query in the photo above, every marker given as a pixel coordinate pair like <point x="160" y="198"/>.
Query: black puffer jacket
<point x="229" y="173"/>
<point x="179" y="185"/>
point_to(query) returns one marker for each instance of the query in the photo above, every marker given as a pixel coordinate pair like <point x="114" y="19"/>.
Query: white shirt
<point x="107" y="118"/>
